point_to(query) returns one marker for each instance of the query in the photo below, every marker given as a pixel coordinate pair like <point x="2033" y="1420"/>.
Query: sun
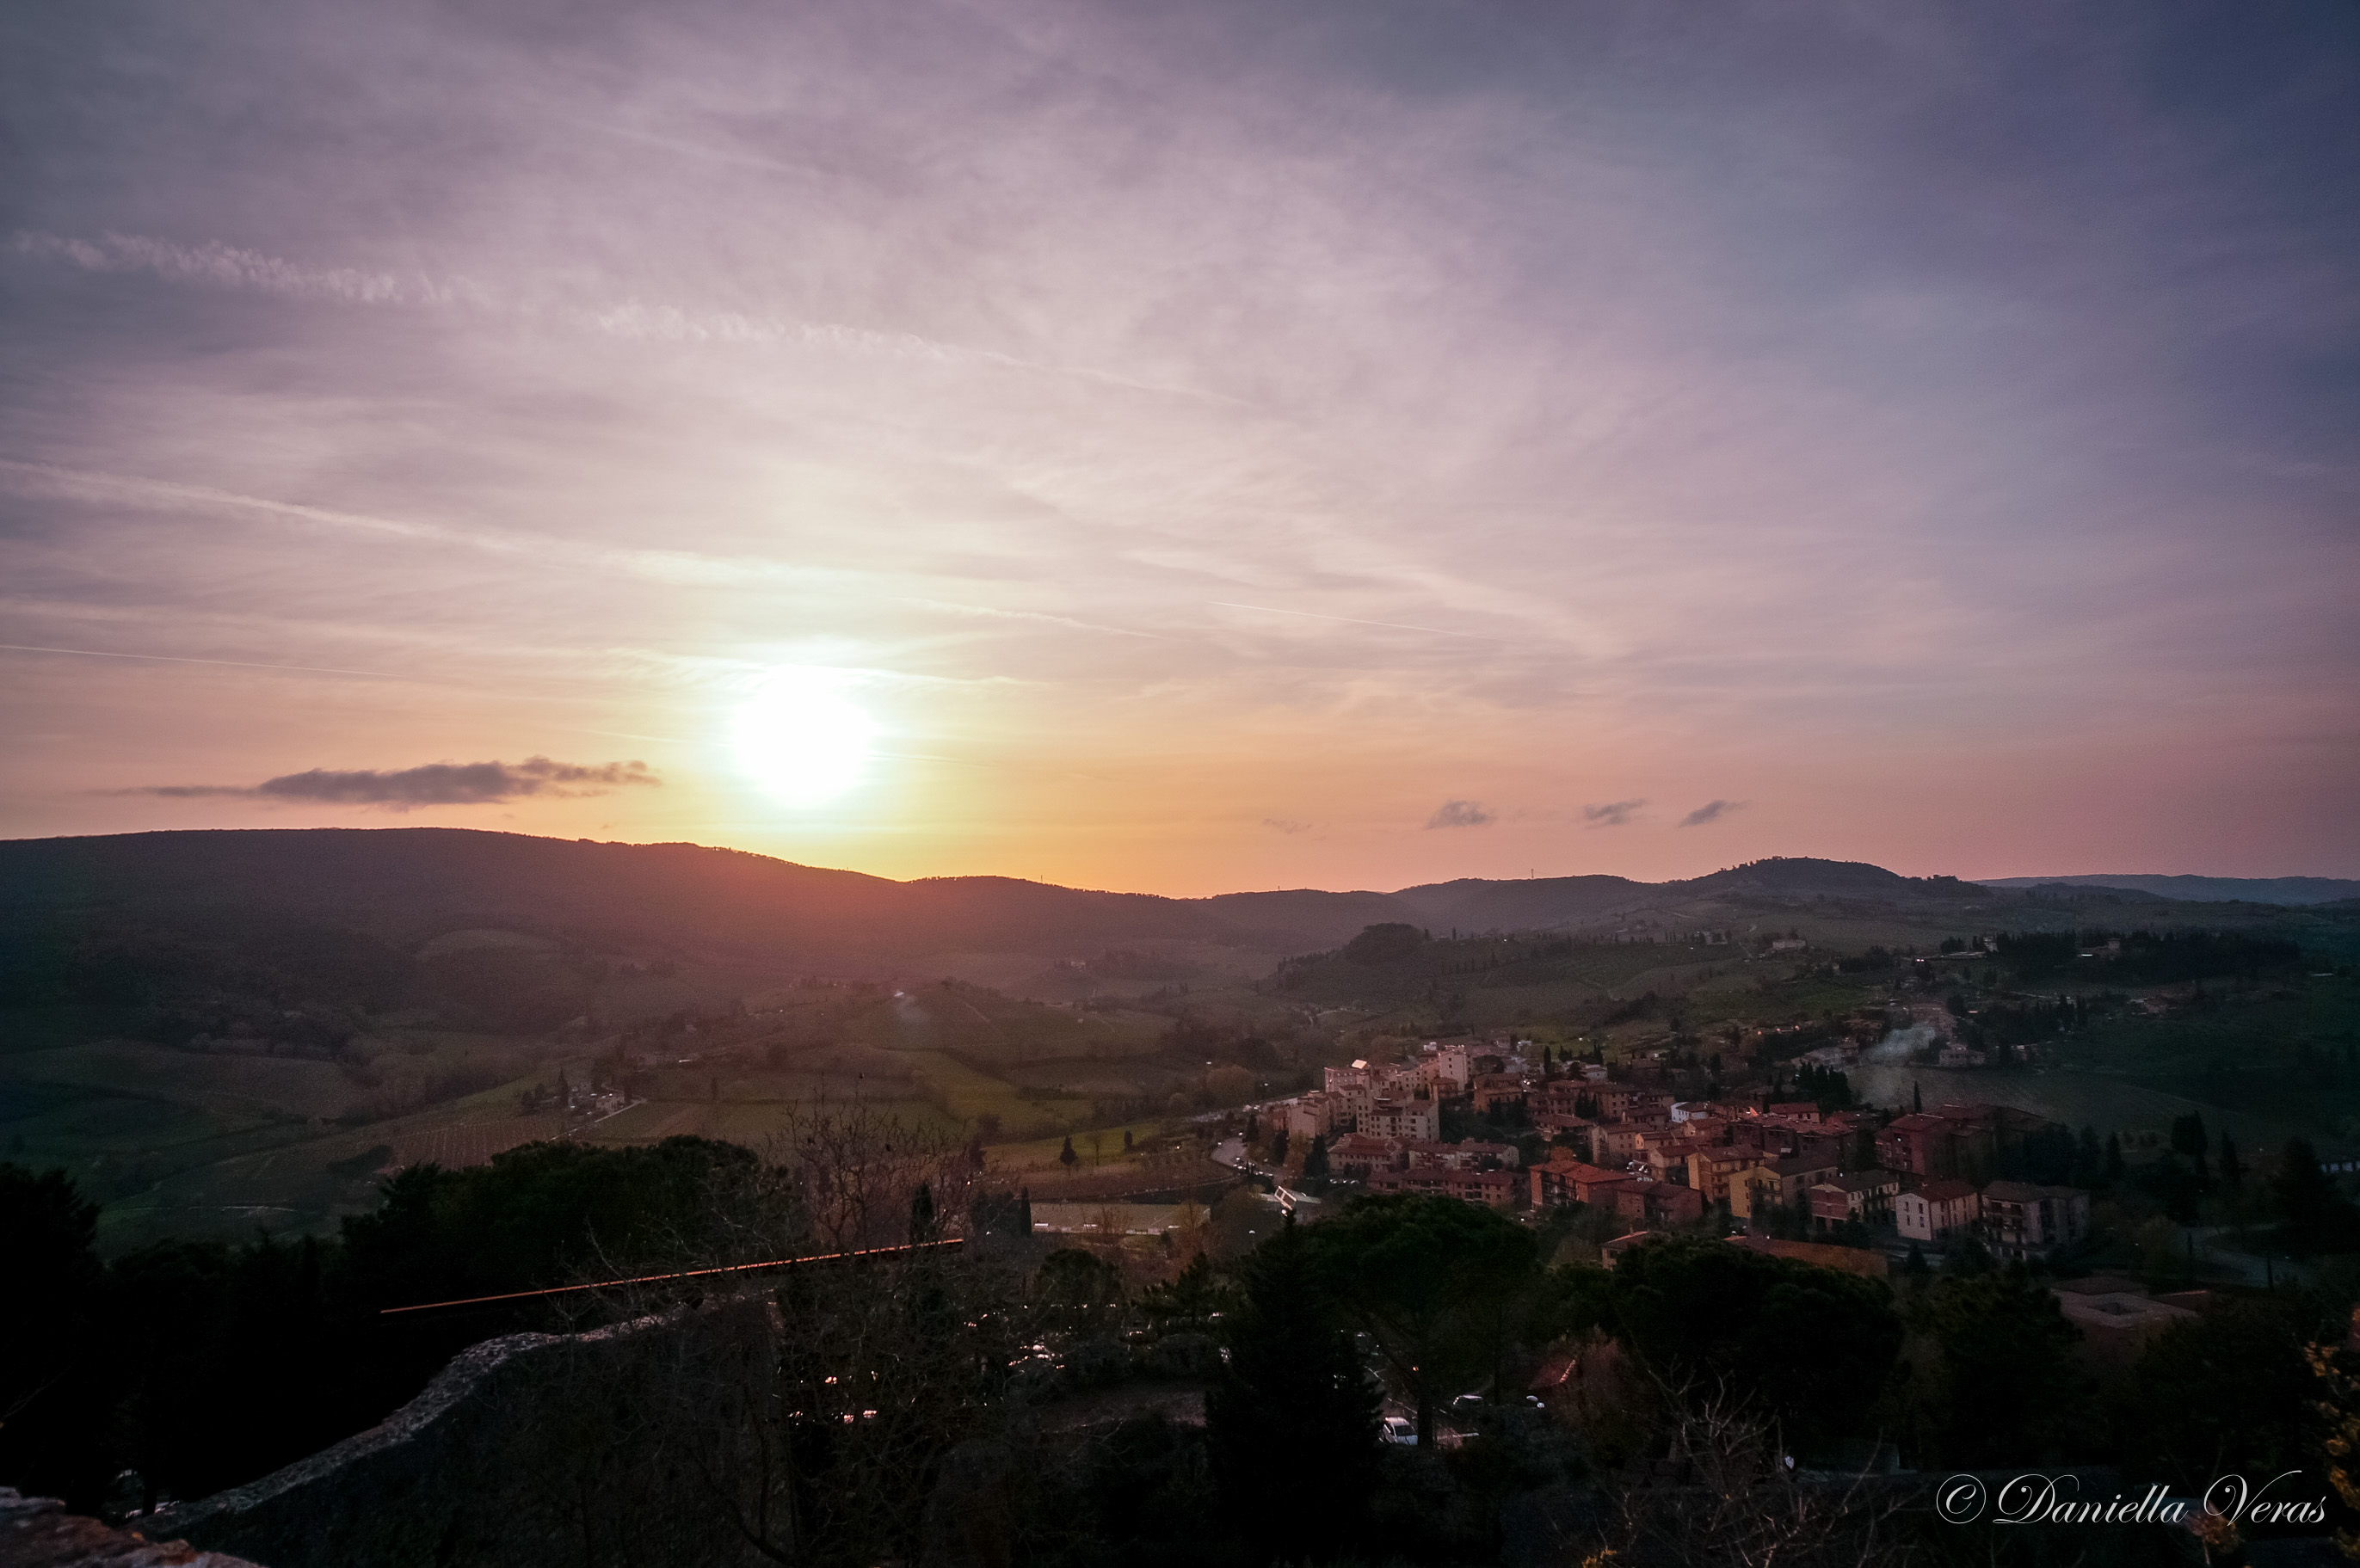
<point x="800" y="739"/>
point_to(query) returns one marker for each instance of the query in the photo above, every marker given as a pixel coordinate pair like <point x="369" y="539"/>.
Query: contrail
<point x="1352" y="621"/>
<point x="175" y="658"/>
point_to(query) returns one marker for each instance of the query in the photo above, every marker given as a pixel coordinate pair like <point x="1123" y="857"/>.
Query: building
<point x="1490" y="1089"/>
<point x="1612" y="1143"/>
<point x="1619" y="1102"/>
<point x="2117" y="1318"/>
<point x="1355" y="1155"/>
<point x="1470" y="1155"/>
<point x="1305" y="1116"/>
<point x="1409" y="1120"/>
<point x="1494" y="1188"/>
<point x="1710" y="1169"/>
<point x="1655" y="1202"/>
<point x="1776" y="1182"/>
<point x="1935" y="1208"/>
<point x="1914" y="1143"/>
<point x="1953" y="1141"/>
<point x="1864" y="1195"/>
<point x="2020" y="1220"/>
<point x="1567" y="1181"/>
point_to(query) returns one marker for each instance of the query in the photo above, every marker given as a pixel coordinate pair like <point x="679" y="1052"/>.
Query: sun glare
<point x="802" y="740"/>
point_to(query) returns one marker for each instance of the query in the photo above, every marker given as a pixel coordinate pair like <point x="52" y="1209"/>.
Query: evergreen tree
<point x="1024" y="1208"/>
<point x="1917" y="1099"/>
<point x="2013" y="1394"/>
<point x="2314" y="1213"/>
<point x="2233" y="1171"/>
<point x="921" y="1215"/>
<point x="2089" y="1159"/>
<point x="1066" y="1156"/>
<point x="58" y="1378"/>
<point x="1278" y="1147"/>
<point x="1314" y="1163"/>
<point x="1293" y="1416"/>
<point x="2114" y="1158"/>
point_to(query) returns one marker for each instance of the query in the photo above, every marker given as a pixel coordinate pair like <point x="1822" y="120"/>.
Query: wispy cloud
<point x="1461" y="815"/>
<point x="1710" y="811"/>
<point x="1613" y="814"/>
<point x="433" y="784"/>
<point x="231" y="267"/>
<point x="1285" y="825"/>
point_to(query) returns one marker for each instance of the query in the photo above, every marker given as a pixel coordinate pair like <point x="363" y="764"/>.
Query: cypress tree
<point x="921" y="1215"/>
<point x="1293" y="1416"/>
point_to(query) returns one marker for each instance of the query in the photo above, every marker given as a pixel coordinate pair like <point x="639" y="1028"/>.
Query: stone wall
<point x="569" y="1451"/>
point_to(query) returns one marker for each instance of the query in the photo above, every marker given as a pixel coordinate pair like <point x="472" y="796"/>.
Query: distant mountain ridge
<point x="2292" y="890"/>
<point x="405" y="886"/>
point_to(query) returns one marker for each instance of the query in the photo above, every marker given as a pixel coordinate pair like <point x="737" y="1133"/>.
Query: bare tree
<point x="1725" y="1493"/>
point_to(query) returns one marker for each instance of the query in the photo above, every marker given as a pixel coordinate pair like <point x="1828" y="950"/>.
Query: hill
<point x="2201" y="890"/>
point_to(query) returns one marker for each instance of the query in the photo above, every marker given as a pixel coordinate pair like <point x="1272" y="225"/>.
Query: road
<point x="1231" y="1152"/>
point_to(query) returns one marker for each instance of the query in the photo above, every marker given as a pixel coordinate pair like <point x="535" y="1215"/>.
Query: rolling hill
<point x="2201" y="890"/>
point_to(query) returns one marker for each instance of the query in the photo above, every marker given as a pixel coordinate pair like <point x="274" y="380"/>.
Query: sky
<point x="1192" y="446"/>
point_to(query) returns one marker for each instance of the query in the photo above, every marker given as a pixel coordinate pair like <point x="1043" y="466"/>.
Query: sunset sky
<point x="1192" y="446"/>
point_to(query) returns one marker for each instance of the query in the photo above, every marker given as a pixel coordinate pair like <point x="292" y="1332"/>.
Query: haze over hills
<point x="2200" y="889"/>
<point x="406" y="886"/>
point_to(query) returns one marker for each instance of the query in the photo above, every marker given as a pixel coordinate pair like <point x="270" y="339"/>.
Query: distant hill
<point x="254" y="910"/>
<point x="2200" y="889"/>
<point x="1535" y="904"/>
<point x="408" y="886"/>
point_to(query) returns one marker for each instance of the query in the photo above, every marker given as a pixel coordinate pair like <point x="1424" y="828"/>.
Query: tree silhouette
<point x="1292" y="1417"/>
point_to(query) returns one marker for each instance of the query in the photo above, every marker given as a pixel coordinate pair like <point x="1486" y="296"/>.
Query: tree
<point x="2230" y="1391"/>
<point x="54" y="1387"/>
<point x="1278" y="1147"/>
<point x="1292" y="1416"/>
<point x="1066" y="1156"/>
<point x="1314" y="1163"/>
<point x="1811" y="1345"/>
<point x="1077" y="1286"/>
<point x="2088" y="1159"/>
<point x="921" y="1215"/>
<point x="2316" y="1216"/>
<point x="1189" y="1301"/>
<point x="2012" y="1393"/>
<point x="1436" y="1283"/>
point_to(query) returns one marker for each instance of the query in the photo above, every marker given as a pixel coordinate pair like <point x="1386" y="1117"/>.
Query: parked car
<point x="1400" y="1430"/>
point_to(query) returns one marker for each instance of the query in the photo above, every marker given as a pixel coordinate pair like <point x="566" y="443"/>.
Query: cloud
<point x="1614" y="814"/>
<point x="1283" y="825"/>
<point x="434" y="784"/>
<point x="1460" y="814"/>
<point x="1710" y="811"/>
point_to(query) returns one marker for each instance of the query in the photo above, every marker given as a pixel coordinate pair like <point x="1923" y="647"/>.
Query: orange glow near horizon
<point x="1190" y="450"/>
